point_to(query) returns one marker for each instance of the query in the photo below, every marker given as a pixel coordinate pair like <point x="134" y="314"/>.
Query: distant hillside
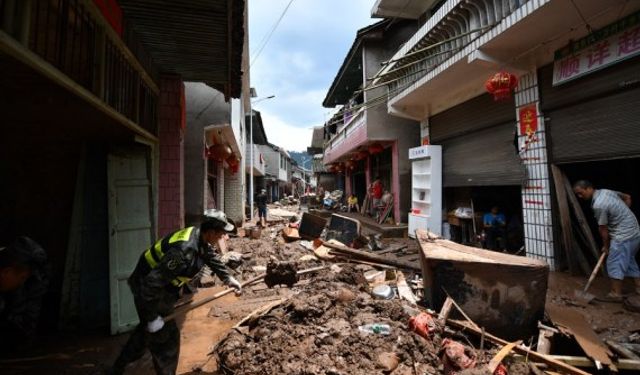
<point x="300" y="158"/>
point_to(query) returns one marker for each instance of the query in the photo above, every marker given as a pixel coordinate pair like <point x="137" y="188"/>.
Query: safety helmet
<point x="216" y="219"/>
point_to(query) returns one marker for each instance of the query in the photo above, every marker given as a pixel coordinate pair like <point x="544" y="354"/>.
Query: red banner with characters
<point x="528" y="116"/>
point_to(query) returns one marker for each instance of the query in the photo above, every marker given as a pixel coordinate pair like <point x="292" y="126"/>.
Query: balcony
<point x="350" y="135"/>
<point x="71" y="43"/>
<point x="259" y="163"/>
<point x="466" y="41"/>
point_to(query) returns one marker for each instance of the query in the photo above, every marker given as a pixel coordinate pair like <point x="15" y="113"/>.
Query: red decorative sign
<point x="528" y="116"/>
<point x="112" y="13"/>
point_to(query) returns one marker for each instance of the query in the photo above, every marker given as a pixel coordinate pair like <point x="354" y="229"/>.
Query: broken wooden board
<point x="565" y="221"/>
<point x="311" y="226"/>
<point x="503" y="293"/>
<point x="290" y="234"/>
<point x="573" y="322"/>
<point x="581" y="219"/>
<point x="404" y="291"/>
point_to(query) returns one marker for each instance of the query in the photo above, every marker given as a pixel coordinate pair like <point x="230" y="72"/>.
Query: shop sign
<point x="419" y="152"/>
<point x="602" y="48"/>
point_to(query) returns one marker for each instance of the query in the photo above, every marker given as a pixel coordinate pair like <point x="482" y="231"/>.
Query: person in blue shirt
<point x="494" y="227"/>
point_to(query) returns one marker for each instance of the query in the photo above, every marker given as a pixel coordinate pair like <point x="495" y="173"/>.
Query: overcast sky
<point x="300" y="61"/>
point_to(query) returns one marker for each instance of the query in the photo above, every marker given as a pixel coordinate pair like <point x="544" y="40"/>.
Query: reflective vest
<point x="154" y="254"/>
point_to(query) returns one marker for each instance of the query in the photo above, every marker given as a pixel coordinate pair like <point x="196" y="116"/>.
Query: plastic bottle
<point x="377" y="328"/>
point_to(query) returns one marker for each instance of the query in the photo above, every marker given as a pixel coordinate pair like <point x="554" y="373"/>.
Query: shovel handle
<point x="595" y="271"/>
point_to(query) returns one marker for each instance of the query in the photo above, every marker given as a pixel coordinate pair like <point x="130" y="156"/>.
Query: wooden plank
<point x="392" y="249"/>
<point x="621" y="350"/>
<point x="565" y="220"/>
<point x="371" y="257"/>
<point x="445" y="310"/>
<point x="532" y="355"/>
<point x="497" y="359"/>
<point x="622" y="364"/>
<point x="581" y="219"/>
<point x="575" y="323"/>
<point x="403" y="289"/>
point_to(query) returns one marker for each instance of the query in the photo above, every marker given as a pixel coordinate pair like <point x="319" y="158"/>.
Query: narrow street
<point x="257" y="187"/>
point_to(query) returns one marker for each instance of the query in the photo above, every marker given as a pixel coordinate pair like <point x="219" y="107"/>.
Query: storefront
<point x="593" y="127"/>
<point x="481" y="167"/>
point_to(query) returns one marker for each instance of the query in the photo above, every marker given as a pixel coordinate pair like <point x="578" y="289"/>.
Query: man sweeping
<point x="160" y="274"/>
<point x="620" y="235"/>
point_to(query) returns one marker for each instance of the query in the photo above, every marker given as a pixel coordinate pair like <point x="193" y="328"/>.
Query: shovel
<point x="583" y="295"/>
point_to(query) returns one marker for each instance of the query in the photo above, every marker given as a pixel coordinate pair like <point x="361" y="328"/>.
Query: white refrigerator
<point x="426" y="189"/>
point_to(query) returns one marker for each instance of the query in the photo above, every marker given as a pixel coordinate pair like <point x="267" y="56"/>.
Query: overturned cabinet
<point x="504" y="294"/>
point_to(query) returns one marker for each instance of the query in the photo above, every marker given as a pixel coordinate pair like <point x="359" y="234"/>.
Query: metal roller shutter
<point x="604" y="128"/>
<point x="483" y="158"/>
<point x="477" y="140"/>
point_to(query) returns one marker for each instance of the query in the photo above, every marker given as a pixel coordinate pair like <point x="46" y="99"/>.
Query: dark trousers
<point x="164" y="345"/>
<point x="491" y="236"/>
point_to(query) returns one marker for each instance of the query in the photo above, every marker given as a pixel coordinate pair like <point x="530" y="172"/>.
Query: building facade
<point x="363" y="141"/>
<point x="573" y="106"/>
<point x="94" y="117"/>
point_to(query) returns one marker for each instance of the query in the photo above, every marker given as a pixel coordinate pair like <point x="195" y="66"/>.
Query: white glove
<point x="155" y="325"/>
<point x="232" y="282"/>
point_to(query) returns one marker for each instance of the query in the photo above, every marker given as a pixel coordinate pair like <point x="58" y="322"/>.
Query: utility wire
<point x="589" y="29"/>
<point x="267" y="37"/>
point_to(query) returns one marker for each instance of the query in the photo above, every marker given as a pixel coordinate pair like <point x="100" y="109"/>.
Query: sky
<point x="300" y="61"/>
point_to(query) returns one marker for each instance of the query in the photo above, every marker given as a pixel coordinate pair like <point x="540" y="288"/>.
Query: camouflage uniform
<point x="160" y="274"/>
<point x="20" y="309"/>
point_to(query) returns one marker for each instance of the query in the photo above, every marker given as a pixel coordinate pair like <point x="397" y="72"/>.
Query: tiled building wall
<point x="171" y="123"/>
<point x="536" y="192"/>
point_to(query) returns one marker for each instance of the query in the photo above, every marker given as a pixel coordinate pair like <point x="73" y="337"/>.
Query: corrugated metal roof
<point x="201" y="40"/>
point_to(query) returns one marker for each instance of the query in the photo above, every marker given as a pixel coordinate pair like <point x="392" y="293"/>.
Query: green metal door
<point x="130" y="228"/>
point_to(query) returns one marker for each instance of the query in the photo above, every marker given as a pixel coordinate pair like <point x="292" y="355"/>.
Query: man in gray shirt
<point x="620" y="234"/>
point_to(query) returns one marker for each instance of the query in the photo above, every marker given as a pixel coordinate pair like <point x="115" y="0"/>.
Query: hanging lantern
<point x="361" y="155"/>
<point x="376" y="148"/>
<point x="350" y="164"/>
<point x="234" y="168"/>
<point x="501" y="85"/>
<point x="331" y="168"/>
<point x="219" y="152"/>
<point x="233" y="161"/>
<point x="340" y="167"/>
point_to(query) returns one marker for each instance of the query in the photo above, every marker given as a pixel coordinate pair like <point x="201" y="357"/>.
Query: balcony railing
<point x="72" y="36"/>
<point x="259" y="167"/>
<point x="349" y="127"/>
<point x="452" y="28"/>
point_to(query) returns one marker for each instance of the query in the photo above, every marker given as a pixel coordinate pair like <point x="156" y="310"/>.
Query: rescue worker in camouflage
<point x="24" y="280"/>
<point x="160" y="274"/>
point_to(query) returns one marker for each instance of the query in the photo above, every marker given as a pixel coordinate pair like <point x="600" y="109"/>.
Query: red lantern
<point x="361" y="155"/>
<point x="501" y="85"/>
<point x="233" y="161"/>
<point x="340" y="168"/>
<point x="376" y="148"/>
<point x="331" y="168"/>
<point x="350" y="164"/>
<point x="219" y="152"/>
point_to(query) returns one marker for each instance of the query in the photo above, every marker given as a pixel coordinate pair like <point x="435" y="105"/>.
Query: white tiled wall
<point x="536" y="193"/>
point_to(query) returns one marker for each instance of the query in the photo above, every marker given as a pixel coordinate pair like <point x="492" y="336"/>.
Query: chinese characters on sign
<point x="528" y="117"/>
<point x="600" y="54"/>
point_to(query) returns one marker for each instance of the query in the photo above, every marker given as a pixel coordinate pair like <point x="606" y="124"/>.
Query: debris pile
<point x="334" y="326"/>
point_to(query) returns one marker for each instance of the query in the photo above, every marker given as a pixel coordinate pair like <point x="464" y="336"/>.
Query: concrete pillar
<point x="395" y="180"/>
<point x="171" y="124"/>
<point x="536" y="192"/>
<point x="234" y="201"/>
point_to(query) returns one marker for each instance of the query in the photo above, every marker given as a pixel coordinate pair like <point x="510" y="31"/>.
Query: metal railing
<point x="453" y="27"/>
<point x="71" y="36"/>
<point x="344" y="131"/>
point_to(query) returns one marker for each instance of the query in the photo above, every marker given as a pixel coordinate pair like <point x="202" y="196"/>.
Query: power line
<point x="265" y="39"/>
